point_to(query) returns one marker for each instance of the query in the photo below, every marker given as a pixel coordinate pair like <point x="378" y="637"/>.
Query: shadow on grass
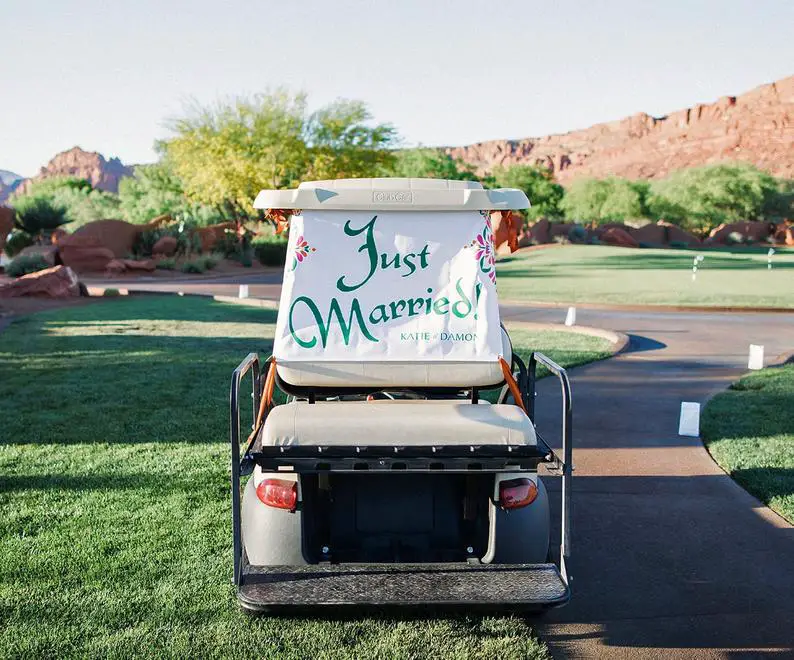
<point x="766" y="483"/>
<point x="117" y="386"/>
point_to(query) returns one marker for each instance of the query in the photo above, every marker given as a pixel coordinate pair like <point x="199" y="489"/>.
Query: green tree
<point x="424" y="163"/>
<point x="538" y="183"/>
<point x="156" y="190"/>
<point x="605" y="200"/>
<point x="701" y="198"/>
<point x="226" y="153"/>
<point x="80" y="201"/>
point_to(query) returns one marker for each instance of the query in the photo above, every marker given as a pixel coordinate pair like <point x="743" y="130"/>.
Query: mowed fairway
<point x="114" y="495"/>
<point x="600" y="274"/>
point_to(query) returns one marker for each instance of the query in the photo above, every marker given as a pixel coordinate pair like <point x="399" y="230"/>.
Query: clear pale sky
<point x="105" y="75"/>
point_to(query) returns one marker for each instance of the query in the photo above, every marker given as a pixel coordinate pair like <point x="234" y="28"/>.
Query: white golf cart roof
<point x="393" y="194"/>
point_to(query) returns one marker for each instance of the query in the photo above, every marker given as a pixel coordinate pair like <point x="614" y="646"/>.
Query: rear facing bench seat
<point x="397" y="423"/>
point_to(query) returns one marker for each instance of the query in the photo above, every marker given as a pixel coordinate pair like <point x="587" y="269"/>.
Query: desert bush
<point x="80" y="202"/>
<point x="211" y="260"/>
<point x="38" y="215"/>
<point x="145" y="241"/>
<point x="166" y="264"/>
<point x="197" y="266"/>
<point x="18" y="241"/>
<point x="270" y="250"/>
<point x="24" y="264"/>
<point x="577" y="234"/>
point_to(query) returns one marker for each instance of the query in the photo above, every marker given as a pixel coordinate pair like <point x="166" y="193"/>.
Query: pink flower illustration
<point x="302" y="250"/>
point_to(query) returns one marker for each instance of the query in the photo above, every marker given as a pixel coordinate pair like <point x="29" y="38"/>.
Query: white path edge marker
<point x="689" y="422"/>
<point x="243" y="293"/>
<point x="756" y="359"/>
<point x="570" y="317"/>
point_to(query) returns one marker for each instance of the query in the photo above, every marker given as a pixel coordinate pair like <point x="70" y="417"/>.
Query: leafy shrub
<point x="167" y="264"/>
<point x="17" y="241"/>
<point x="210" y="261"/>
<point x="577" y="234"/>
<point x="39" y="215"/>
<point x="270" y="250"/>
<point x="146" y="240"/>
<point x="111" y="293"/>
<point x="196" y="266"/>
<point x="24" y="264"/>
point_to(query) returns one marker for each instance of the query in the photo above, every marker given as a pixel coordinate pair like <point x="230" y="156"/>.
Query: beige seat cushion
<point x="398" y="423"/>
<point x="443" y="373"/>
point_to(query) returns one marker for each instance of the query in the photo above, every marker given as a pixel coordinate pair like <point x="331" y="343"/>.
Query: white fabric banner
<point x="389" y="285"/>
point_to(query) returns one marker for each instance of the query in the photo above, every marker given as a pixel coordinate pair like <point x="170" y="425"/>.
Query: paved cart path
<point x="670" y="557"/>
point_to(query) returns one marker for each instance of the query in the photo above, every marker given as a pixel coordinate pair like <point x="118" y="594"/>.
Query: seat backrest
<point x="395" y="374"/>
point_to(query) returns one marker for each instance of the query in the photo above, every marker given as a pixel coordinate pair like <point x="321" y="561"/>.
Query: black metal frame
<point x="492" y="458"/>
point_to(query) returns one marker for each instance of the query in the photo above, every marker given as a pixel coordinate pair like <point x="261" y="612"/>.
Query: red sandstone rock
<point x="133" y="264"/>
<point x="749" y="231"/>
<point x="84" y="253"/>
<point x="101" y="173"/>
<point x="663" y="233"/>
<point x="213" y="234"/>
<point x="115" y="235"/>
<point x="756" y="127"/>
<point x="115" y="267"/>
<point x="538" y="233"/>
<point x="618" y="237"/>
<point x="166" y="246"/>
<point x="56" y="282"/>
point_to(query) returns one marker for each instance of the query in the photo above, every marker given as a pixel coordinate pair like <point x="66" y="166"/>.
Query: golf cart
<point x="385" y="477"/>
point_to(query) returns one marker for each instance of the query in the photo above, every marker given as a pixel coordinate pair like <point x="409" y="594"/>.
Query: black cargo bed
<point x="276" y="588"/>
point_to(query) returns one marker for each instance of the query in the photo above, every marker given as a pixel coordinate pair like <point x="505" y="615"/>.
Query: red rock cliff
<point x="102" y="173"/>
<point x="756" y="127"/>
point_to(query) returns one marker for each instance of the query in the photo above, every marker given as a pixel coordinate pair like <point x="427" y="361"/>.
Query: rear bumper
<point x="278" y="588"/>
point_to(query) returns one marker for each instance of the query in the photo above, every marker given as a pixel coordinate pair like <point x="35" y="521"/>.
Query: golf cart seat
<point x="446" y="373"/>
<point x="397" y="423"/>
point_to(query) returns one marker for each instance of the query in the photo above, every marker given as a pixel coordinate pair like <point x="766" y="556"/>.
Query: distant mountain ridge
<point x="9" y="181"/>
<point x="755" y="127"/>
<point x="100" y="172"/>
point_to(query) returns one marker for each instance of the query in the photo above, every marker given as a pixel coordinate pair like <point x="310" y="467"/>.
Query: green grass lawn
<point x="749" y="430"/>
<point x="601" y="274"/>
<point x="115" y="534"/>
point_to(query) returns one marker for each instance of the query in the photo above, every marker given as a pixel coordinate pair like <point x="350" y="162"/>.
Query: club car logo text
<point x="460" y="304"/>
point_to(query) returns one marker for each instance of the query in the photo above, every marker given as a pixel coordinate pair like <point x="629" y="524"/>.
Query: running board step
<point x="278" y="587"/>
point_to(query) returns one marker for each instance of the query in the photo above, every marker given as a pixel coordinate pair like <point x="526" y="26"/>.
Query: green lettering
<point x="413" y="303"/>
<point x="394" y="305"/>
<point x="423" y="256"/>
<point x="325" y="326"/>
<point x="368" y="246"/>
<point x="463" y="301"/>
<point x="384" y="264"/>
<point x="441" y="305"/>
<point x="408" y="260"/>
<point x="383" y="317"/>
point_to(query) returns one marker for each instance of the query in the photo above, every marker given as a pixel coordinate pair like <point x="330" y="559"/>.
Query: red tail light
<point x="515" y="493"/>
<point x="278" y="493"/>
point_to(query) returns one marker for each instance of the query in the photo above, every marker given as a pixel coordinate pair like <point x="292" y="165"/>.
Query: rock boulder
<point x="618" y="237"/>
<point x="56" y="282"/>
